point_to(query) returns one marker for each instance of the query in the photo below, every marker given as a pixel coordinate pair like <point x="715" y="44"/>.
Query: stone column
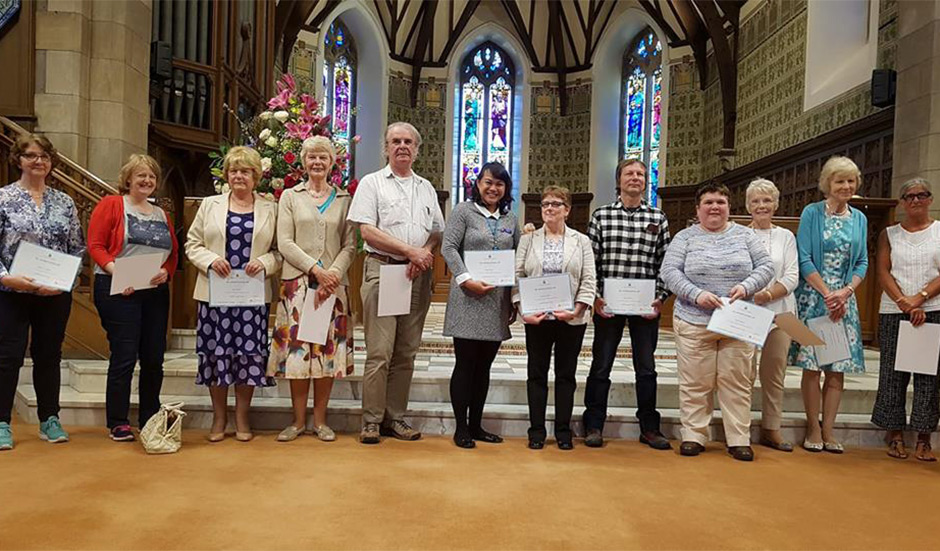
<point x="917" y="113"/>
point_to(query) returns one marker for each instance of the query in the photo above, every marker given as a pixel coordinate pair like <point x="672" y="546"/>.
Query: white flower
<point x="269" y="196"/>
<point x="281" y="116"/>
<point x="265" y="164"/>
<point x="225" y="188"/>
<point x="271" y="142"/>
<point x="264" y="134"/>
<point x="276" y="183"/>
<point x="265" y="115"/>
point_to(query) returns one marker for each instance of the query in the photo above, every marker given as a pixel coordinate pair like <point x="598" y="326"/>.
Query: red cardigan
<point x="106" y="233"/>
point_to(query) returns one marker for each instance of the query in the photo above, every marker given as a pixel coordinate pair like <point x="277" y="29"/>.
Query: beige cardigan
<point x="304" y="236"/>
<point x="578" y="264"/>
<point x="205" y="242"/>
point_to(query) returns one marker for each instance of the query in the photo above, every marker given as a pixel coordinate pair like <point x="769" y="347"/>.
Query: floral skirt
<point x="294" y="359"/>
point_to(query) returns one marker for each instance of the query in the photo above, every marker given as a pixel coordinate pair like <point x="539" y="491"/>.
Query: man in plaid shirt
<point x="629" y="238"/>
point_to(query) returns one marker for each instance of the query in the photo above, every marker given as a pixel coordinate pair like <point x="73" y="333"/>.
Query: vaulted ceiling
<point x="559" y="36"/>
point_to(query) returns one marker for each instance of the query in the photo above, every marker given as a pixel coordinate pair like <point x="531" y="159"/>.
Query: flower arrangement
<point x="278" y="134"/>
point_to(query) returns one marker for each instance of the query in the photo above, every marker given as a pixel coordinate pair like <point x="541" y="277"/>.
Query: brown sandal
<point x="923" y="452"/>
<point x="896" y="449"/>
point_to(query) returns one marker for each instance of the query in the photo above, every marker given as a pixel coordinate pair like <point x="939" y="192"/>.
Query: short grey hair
<point x="407" y="126"/>
<point x="761" y="186"/>
<point x="912" y="183"/>
<point x="838" y="165"/>
<point x="318" y="143"/>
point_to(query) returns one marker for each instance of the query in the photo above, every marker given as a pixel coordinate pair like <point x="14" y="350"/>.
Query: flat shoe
<point x="244" y="436"/>
<point x="783" y="446"/>
<point x="565" y="445"/>
<point x="289" y="434"/>
<point x="487" y="437"/>
<point x="897" y="450"/>
<point x="464" y="441"/>
<point x="536" y="444"/>
<point x="324" y="433"/>
<point x="923" y="452"/>
<point x="833" y="447"/>
<point x="215" y="437"/>
<point x="814" y="447"/>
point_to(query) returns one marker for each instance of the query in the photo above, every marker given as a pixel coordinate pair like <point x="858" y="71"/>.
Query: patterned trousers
<point x="890" y="411"/>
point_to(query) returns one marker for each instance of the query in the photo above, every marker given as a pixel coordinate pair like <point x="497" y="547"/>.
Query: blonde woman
<point x="233" y="231"/>
<point x="833" y="251"/>
<point x="762" y="199"/>
<point x="318" y="245"/>
<point x="135" y="321"/>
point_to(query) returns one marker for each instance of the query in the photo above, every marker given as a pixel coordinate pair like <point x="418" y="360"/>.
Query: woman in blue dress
<point x="832" y="244"/>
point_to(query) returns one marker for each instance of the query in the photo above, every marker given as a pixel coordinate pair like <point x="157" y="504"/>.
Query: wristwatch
<point x="924" y="294"/>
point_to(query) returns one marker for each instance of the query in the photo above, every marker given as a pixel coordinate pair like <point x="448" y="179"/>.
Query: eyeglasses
<point x="555" y="204"/>
<point x="922" y="196"/>
<point x="30" y="157"/>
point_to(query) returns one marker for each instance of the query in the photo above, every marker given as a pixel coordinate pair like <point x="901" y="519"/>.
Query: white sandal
<point x="324" y="433"/>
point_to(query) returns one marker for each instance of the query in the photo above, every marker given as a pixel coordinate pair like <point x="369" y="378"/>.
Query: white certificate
<point x="394" y="290"/>
<point x="238" y="289"/>
<point x="836" y="339"/>
<point x="742" y="320"/>
<point x="545" y="293"/>
<point x="492" y="267"/>
<point x="45" y="267"/>
<point x="135" y="271"/>
<point x="630" y="297"/>
<point x="918" y="348"/>
<point x="314" y="321"/>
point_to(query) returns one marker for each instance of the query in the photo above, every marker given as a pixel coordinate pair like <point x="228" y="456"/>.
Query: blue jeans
<point x="608" y="332"/>
<point x="136" y="327"/>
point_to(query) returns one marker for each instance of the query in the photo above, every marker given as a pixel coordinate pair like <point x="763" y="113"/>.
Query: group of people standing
<point x="306" y="243"/>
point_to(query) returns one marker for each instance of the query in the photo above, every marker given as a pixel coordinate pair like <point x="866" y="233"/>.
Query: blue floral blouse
<point x="54" y="225"/>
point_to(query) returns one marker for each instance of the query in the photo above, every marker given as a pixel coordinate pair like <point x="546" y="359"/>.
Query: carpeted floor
<point x="96" y="494"/>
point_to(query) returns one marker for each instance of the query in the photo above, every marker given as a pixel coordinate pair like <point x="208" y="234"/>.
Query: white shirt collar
<point x="485" y="211"/>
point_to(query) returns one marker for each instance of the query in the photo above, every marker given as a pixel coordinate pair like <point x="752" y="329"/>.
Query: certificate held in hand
<point x="237" y="290"/>
<point x="45" y="267"/>
<point x="742" y="320"/>
<point x="497" y="268"/>
<point x="135" y="271"/>
<point x="629" y="297"/>
<point x="545" y="293"/>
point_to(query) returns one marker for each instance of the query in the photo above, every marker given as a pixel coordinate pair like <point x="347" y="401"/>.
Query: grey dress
<point x="484" y="318"/>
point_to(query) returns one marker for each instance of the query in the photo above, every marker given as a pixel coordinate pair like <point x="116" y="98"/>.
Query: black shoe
<point x="487" y="437"/>
<point x="565" y="445"/>
<point x="594" y="438"/>
<point x="464" y="441"/>
<point x="691" y="449"/>
<point x="536" y="444"/>
<point x="655" y="440"/>
<point x="741" y="453"/>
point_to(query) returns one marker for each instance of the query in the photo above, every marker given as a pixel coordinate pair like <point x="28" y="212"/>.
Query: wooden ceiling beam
<point x="455" y="33"/>
<point x="567" y="29"/>
<point x="727" y="68"/>
<point x="512" y="9"/>
<point x="385" y="26"/>
<point x="695" y="34"/>
<point x="554" y="36"/>
<point x="655" y="11"/>
<point x="289" y="19"/>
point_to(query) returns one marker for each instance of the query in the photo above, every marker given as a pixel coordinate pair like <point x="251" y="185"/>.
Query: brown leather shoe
<point x="400" y="430"/>
<point x="691" y="449"/>
<point x="369" y="433"/>
<point x="741" y="453"/>
<point x="655" y="440"/>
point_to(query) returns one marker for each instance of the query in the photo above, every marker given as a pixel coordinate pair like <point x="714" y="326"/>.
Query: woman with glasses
<point x="909" y="272"/>
<point x="555" y="249"/>
<point x="33" y="212"/>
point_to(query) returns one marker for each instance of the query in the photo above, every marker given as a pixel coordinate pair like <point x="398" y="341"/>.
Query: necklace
<point x="319" y="194"/>
<point x="243" y="204"/>
<point x="843" y="212"/>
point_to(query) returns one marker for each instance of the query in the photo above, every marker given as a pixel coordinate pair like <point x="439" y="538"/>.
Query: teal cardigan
<point x="809" y="241"/>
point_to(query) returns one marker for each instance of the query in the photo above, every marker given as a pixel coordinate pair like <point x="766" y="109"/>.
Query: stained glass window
<point x="485" y="114"/>
<point x="339" y="87"/>
<point x="641" y="105"/>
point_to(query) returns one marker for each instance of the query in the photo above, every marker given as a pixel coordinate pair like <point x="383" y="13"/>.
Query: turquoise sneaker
<point x="6" y="437"/>
<point x="51" y="430"/>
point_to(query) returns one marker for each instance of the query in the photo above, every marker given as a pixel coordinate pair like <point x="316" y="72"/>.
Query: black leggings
<point x="470" y="381"/>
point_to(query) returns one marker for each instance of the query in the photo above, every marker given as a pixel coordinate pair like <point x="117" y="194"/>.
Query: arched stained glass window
<point x="641" y="97"/>
<point x="339" y="86"/>
<point x="487" y="81"/>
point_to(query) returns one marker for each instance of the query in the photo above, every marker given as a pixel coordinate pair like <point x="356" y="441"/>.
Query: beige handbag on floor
<point x="163" y="432"/>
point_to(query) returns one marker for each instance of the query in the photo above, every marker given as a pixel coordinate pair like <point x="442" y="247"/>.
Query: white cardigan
<point x="782" y="249"/>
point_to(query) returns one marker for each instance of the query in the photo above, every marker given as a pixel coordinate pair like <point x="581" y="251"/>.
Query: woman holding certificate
<point x="233" y="235"/>
<point x="909" y="272"/>
<point x="706" y="264"/>
<point x="832" y="244"/>
<point x="33" y="213"/>
<point x="555" y="249"/>
<point x="318" y="245"/>
<point x="125" y="226"/>
<point x="762" y="198"/>
<point x="478" y="312"/>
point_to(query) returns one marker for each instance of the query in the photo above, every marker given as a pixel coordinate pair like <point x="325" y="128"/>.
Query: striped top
<point x="698" y="260"/>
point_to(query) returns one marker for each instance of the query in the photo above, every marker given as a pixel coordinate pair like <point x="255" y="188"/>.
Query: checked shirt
<point x="629" y="243"/>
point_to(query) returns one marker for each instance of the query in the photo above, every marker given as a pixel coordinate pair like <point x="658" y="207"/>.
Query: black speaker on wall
<point x="884" y="83"/>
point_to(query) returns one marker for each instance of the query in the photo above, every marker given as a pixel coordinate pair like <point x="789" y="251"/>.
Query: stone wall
<point x="560" y="146"/>
<point x="429" y="117"/>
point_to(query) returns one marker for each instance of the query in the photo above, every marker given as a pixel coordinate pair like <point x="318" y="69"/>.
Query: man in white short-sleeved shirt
<point x="401" y="223"/>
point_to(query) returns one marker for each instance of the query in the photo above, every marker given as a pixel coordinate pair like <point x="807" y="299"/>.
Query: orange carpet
<point x="96" y="494"/>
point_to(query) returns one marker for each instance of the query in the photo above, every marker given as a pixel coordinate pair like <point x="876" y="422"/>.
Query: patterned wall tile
<point x="429" y="117"/>
<point x="560" y="146"/>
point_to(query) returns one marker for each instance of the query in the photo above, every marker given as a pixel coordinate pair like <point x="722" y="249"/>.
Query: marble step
<point x="269" y="415"/>
<point x="433" y="386"/>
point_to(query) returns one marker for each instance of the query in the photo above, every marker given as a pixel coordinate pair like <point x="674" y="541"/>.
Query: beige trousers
<point x="709" y="362"/>
<point x="391" y="345"/>
<point x="772" y="366"/>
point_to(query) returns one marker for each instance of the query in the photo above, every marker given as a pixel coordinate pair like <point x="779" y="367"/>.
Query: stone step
<point x="432" y="418"/>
